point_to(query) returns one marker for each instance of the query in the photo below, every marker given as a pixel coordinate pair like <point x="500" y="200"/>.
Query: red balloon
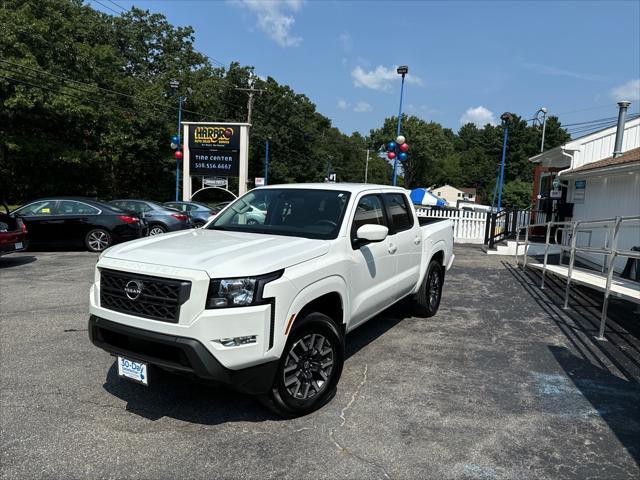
<point x="178" y="154"/>
<point x="404" y="147"/>
<point x="391" y="155"/>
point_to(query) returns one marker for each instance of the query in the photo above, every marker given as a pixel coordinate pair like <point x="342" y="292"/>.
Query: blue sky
<point x="468" y="61"/>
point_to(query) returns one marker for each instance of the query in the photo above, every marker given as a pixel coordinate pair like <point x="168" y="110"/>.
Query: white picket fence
<point x="468" y="226"/>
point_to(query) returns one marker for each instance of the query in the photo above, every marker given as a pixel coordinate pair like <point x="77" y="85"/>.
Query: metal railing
<point x="609" y="249"/>
<point x="504" y="224"/>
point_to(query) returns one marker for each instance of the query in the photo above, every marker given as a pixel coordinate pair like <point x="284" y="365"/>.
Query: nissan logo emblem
<point x="133" y="289"/>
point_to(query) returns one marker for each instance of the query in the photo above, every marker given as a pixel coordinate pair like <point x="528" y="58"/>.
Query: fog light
<point x="237" y="341"/>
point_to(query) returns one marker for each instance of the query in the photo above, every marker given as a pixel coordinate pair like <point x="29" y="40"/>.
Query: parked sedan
<point x="199" y="212"/>
<point x="78" y="221"/>
<point x="13" y="233"/>
<point x="161" y="219"/>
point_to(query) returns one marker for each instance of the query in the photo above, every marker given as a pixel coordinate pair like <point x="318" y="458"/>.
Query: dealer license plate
<point x="19" y="246"/>
<point x="136" y="371"/>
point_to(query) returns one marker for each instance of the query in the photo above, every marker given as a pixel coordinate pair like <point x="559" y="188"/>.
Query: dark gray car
<point x="199" y="212"/>
<point x="160" y="218"/>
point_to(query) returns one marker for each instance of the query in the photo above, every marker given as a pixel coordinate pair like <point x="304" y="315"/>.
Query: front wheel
<point x="156" y="230"/>
<point x="428" y="297"/>
<point x="309" y="369"/>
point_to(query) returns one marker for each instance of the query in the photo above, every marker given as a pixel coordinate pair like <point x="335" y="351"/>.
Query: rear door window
<point x="398" y="210"/>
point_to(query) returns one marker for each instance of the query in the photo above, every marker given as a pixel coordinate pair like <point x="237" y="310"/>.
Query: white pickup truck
<point x="261" y="298"/>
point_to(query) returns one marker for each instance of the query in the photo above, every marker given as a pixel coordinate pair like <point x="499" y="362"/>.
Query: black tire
<point x="299" y="387"/>
<point x="157" y="229"/>
<point x="198" y="224"/>
<point x="430" y="293"/>
<point x="98" y="240"/>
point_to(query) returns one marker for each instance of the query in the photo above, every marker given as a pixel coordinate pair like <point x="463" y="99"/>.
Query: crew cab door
<point x="405" y="237"/>
<point x="373" y="267"/>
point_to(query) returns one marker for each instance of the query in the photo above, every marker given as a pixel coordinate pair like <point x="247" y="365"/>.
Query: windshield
<point x="296" y="212"/>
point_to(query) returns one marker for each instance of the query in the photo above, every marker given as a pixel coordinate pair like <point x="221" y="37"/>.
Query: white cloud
<point x="480" y="116"/>
<point x="274" y="19"/>
<point x="362" y="107"/>
<point x="342" y="104"/>
<point x="627" y="91"/>
<point x="380" y="78"/>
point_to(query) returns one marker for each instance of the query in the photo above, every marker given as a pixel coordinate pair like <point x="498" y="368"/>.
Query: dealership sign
<point x="214" y="149"/>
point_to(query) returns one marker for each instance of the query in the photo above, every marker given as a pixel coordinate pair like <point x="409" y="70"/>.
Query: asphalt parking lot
<point x="500" y="384"/>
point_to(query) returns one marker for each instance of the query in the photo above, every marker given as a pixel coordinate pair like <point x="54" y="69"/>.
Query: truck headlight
<point x="238" y="292"/>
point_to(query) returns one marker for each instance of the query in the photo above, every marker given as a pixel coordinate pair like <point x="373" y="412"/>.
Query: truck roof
<point x="347" y="187"/>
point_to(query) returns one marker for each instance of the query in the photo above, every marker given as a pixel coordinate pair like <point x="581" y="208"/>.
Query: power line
<point x="127" y="95"/>
<point x="106" y="6"/>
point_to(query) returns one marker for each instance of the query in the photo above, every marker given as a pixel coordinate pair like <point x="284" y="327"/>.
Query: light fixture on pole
<point x="402" y="70"/>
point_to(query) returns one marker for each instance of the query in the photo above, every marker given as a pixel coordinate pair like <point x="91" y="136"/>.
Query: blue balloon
<point x="391" y="146"/>
<point x="175" y="139"/>
<point x="402" y="156"/>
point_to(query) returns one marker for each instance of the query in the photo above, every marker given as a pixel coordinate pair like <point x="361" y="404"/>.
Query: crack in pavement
<point x="343" y="417"/>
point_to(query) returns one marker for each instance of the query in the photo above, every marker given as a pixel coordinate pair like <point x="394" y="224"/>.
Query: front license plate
<point x="136" y="371"/>
<point x="19" y="246"/>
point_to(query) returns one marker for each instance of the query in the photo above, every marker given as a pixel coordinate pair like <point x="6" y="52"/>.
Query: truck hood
<point x="219" y="253"/>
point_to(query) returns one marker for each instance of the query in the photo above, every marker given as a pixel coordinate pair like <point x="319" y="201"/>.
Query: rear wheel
<point x="198" y="224"/>
<point x="309" y="369"/>
<point x="97" y="240"/>
<point x="428" y="297"/>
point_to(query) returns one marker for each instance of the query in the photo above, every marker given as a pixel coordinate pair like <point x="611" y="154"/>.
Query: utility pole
<point x="366" y="167"/>
<point x="252" y="91"/>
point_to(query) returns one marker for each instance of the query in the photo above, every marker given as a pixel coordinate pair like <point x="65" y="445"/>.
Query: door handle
<point x="392" y="248"/>
<point x="417" y="240"/>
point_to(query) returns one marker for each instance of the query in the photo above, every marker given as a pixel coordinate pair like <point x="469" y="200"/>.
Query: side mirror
<point x="372" y="233"/>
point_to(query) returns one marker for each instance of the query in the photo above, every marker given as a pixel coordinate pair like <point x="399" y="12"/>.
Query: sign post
<point x="215" y="150"/>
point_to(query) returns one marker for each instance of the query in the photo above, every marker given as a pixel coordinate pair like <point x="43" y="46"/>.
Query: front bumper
<point x="178" y="354"/>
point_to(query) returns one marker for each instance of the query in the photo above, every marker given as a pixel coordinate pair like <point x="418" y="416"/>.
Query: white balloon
<point x="173" y="145"/>
<point x="400" y="140"/>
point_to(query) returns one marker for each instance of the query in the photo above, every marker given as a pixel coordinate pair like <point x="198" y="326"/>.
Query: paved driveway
<point x="500" y="384"/>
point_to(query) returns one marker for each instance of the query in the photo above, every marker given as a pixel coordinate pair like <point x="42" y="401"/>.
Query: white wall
<point x="600" y="145"/>
<point x="606" y="197"/>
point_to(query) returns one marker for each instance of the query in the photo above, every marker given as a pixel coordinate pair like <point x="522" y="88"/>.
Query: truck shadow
<point x="184" y="399"/>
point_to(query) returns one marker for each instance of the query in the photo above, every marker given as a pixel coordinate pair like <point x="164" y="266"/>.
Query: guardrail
<point x="608" y="249"/>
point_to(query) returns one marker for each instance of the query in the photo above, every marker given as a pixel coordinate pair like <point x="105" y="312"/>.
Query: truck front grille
<point x="143" y="295"/>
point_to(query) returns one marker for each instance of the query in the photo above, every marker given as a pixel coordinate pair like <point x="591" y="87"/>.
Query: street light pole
<point x="506" y="118"/>
<point x="402" y="70"/>
<point x="543" y="110"/>
<point x="180" y="100"/>
<point x="266" y="164"/>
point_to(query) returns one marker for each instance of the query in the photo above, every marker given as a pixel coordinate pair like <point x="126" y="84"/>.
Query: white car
<point x="265" y="307"/>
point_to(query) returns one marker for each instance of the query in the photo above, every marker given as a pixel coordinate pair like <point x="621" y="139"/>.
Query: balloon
<point x="400" y="139"/>
<point x="178" y="154"/>
<point x="402" y="156"/>
<point x="175" y="139"/>
<point x="404" y="147"/>
<point x="391" y="146"/>
<point x="228" y="132"/>
<point x="174" y="145"/>
<point x="391" y="155"/>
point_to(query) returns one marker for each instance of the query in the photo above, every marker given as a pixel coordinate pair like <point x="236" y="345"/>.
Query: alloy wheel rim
<point x="98" y="240"/>
<point x="434" y="289"/>
<point x="155" y="231"/>
<point x="308" y="366"/>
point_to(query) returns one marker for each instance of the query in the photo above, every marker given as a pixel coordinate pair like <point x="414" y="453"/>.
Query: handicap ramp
<point x="620" y="287"/>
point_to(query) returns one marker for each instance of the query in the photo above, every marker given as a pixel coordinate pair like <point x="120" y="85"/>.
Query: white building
<point x="595" y="185"/>
<point x="452" y="195"/>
